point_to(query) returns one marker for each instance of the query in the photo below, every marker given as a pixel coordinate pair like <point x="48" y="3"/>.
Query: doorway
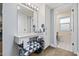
<point x="63" y="23"/>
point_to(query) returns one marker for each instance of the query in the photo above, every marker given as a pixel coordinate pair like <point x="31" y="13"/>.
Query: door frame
<point x="74" y="34"/>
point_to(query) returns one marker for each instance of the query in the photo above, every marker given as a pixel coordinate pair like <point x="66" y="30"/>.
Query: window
<point x="65" y="24"/>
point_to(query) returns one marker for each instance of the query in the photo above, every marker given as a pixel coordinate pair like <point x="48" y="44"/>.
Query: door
<point x="73" y="30"/>
<point x="63" y="28"/>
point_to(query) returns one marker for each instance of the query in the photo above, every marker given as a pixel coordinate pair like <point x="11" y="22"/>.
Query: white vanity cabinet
<point x="22" y="39"/>
<point x="19" y="39"/>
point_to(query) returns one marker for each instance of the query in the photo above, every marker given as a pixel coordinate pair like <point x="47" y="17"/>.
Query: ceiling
<point x="51" y="5"/>
<point x="55" y="5"/>
<point x="60" y="7"/>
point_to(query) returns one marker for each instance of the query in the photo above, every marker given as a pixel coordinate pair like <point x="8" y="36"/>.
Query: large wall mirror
<point x="27" y="20"/>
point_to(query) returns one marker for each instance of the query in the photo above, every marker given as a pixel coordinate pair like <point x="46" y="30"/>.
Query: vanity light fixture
<point x="31" y="6"/>
<point x="27" y="4"/>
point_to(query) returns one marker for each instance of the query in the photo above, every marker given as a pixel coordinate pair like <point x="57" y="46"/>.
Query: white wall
<point x="41" y="15"/>
<point x="53" y="29"/>
<point x="9" y="28"/>
<point x="47" y="24"/>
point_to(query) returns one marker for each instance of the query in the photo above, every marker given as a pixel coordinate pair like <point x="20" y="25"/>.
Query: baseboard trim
<point x="53" y="45"/>
<point x="77" y="53"/>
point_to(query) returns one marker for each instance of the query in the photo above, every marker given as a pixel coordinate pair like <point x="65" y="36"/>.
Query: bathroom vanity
<point x="27" y="24"/>
<point x="27" y="29"/>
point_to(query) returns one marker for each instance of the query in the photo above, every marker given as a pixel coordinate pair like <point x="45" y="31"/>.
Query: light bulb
<point x="37" y="8"/>
<point x="32" y="6"/>
<point x="29" y="4"/>
<point x="18" y="7"/>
